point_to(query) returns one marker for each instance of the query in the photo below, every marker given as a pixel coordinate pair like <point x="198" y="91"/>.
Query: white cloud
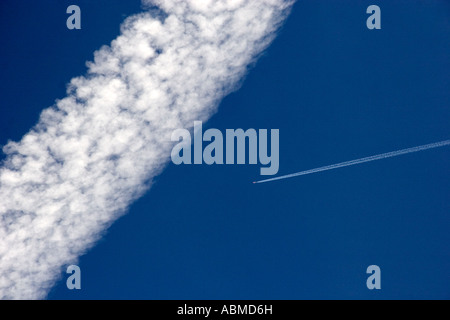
<point x="98" y="149"/>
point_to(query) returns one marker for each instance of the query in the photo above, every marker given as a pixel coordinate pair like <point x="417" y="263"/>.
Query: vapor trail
<point x="362" y="160"/>
<point x="97" y="150"/>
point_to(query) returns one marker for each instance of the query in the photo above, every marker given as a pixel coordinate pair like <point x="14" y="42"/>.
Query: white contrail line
<point x="361" y="160"/>
<point x="97" y="150"/>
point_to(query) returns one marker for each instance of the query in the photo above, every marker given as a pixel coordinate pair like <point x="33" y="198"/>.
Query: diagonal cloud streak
<point x="98" y="149"/>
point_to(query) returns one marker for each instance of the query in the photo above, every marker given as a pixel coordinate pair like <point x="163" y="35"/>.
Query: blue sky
<point x="336" y="91"/>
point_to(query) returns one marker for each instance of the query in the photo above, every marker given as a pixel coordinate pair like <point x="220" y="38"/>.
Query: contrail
<point x="362" y="160"/>
<point x="98" y="149"/>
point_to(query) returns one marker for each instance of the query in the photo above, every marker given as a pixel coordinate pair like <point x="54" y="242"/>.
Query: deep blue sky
<point x="337" y="91"/>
